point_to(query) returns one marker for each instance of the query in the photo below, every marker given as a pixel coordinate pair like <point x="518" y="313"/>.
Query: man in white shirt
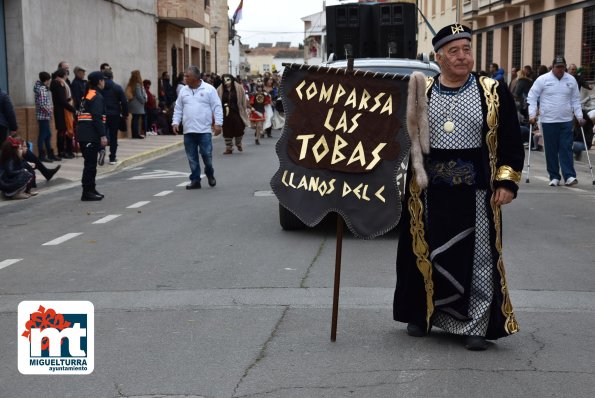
<point x="195" y="108"/>
<point x="559" y="100"/>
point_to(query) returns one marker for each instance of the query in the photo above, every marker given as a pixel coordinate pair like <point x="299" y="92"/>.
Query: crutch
<point x="588" y="158"/>
<point x="530" y="147"/>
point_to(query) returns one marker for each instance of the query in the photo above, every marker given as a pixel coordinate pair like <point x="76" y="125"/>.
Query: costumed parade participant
<point x="258" y="100"/>
<point x="235" y="119"/>
<point x="466" y="162"/>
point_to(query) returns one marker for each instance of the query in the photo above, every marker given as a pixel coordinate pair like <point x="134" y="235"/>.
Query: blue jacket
<point x="77" y="90"/>
<point x="114" y="99"/>
<point x="7" y="116"/>
<point x="499" y="75"/>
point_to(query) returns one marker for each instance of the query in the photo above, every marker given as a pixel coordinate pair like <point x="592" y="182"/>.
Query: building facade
<point x="315" y="38"/>
<point x="271" y="58"/>
<point x="437" y="13"/>
<point x="514" y="33"/>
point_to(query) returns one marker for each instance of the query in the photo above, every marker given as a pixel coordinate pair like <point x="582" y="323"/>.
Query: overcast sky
<point x="270" y="21"/>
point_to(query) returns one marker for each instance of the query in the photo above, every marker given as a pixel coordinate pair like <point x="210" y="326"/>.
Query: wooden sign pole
<point x="338" y="252"/>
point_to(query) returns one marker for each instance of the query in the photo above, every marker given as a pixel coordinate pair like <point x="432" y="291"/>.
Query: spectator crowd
<point x="252" y="103"/>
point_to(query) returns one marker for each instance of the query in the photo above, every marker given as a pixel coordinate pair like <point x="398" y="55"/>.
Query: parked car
<point x="290" y="221"/>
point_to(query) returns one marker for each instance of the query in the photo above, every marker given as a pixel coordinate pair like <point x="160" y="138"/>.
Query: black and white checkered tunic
<point x="468" y="120"/>
<point x="466" y="115"/>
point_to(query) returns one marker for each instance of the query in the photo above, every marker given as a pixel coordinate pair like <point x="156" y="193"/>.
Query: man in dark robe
<point x="466" y="162"/>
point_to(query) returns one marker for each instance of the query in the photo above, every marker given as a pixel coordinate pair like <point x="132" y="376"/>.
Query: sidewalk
<point x="130" y="151"/>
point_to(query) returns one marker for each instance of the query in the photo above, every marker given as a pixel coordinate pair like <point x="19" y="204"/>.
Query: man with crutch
<point x="583" y="138"/>
<point x="559" y="100"/>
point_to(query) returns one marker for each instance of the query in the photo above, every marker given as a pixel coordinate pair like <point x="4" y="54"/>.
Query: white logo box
<point x="73" y="320"/>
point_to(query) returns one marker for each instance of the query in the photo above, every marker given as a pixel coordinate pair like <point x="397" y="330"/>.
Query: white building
<point x="315" y="38"/>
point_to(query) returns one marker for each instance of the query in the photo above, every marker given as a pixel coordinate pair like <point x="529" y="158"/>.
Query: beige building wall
<point x="257" y="62"/>
<point x="85" y="33"/>
<point x="574" y="29"/>
<point x="219" y="18"/>
<point x="439" y="13"/>
<point x="170" y="36"/>
<point x="547" y="43"/>
<point x="500" y="16"/>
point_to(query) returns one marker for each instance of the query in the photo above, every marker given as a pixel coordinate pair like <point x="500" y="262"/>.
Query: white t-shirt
<point x="559" y="99"/>
<point x="195" y="108"/>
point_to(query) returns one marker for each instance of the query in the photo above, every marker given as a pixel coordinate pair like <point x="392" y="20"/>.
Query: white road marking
<point x="183" y="184"/>
<point x="62" y="239"/>
<point x="138" y="204"/>
<point x="264" y="193"/>
<point x="107" y="219"/>
<point x="160" y="174"/>
<point x="9" y="262"/>
<point x="163" y="193"/>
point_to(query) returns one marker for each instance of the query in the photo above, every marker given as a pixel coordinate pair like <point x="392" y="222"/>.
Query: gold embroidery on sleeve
<point x="507" y="173"/>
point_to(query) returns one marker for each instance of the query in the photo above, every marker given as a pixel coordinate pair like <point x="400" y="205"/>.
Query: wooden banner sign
<point x="341" y="147"/>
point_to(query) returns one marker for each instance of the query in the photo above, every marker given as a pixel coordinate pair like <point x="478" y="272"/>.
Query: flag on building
<point x="237" y="16"/>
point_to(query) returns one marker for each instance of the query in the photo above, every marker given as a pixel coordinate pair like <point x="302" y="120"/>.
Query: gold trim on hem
<point x="493" y="102"/>
<point x="421" y="248"/>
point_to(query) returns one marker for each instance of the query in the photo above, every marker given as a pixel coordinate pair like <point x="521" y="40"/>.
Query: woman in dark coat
<point x="61" y="101"/>
<point x="15" y="180"/>
<point x="235" y="118"/>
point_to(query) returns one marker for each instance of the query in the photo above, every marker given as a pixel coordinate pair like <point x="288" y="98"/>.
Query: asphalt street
<point x="202" y="294"/>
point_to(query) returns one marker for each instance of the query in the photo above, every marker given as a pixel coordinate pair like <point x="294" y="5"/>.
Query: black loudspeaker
<point x="350" y="26"/>
<point x="395" y="30"/>
<point x="372" y="30"/>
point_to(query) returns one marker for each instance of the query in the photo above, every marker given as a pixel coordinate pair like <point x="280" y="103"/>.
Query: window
<point x="536" y="58"/>
<point x="206" y="3"/>
<point x="517" y="39"/>
<point x="479" y="50"/>
<point x="385" y="15"/>
<point x="489" y="48"/>
<point x="560" y="37"/>
<point x="588" y="48"/>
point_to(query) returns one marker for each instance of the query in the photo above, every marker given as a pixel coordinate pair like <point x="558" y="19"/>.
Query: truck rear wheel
<point x="288" y="220"/>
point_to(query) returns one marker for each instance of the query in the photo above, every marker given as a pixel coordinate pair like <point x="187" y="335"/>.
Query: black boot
<point x="47" y="173"/>
<point x="44" y="158"/>
<point x="51" y="156"/>
<point x="89" y="195"/>
<point x="94" y="190"/>
<point x="476" y="343"/>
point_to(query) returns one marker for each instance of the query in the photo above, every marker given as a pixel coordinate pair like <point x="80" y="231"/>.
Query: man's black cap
<point x="449" y="33"/>
<point x="559" y="60"/>
<point x="95" y="77"/>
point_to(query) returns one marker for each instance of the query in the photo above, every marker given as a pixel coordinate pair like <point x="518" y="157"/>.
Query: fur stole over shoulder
<point x="418" y="126"/>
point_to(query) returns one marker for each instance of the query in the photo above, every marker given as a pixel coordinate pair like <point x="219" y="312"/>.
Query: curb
<point x="103" y="172"/>
<point x="139" y="157"/>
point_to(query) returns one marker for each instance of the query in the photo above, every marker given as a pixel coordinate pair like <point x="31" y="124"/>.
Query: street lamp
<point x="215" y="29"/>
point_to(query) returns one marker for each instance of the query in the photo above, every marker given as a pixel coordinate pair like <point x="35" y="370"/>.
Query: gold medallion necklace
<point x="449" y="125"/>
